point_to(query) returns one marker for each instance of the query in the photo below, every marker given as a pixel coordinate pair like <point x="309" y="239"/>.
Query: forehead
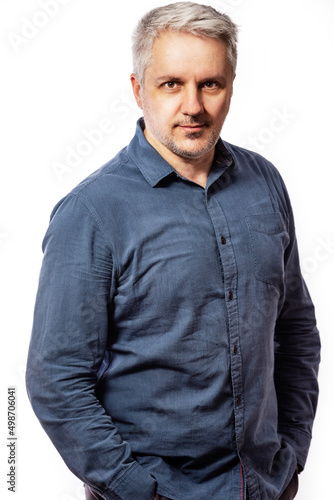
<point x="178" y="51"/>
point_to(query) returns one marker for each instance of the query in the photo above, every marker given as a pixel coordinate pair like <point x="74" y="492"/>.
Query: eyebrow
<point x="171" y="78"/>
<point x="168" y="78"/>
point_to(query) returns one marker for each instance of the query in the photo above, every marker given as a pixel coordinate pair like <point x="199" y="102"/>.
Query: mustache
<point x="193" y="120"/>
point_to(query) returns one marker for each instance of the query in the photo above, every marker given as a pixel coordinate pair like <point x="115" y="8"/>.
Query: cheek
<point x="155" y="105"/>
<point x="222" y="109"/>
<point x="168" y="105"/>
<point x="165" y="111"/>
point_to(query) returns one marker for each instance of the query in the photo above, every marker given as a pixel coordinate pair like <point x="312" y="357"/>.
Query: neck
<point x="195" y="170"/>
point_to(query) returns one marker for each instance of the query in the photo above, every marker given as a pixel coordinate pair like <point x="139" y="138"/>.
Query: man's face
<point x="186" y="95"/>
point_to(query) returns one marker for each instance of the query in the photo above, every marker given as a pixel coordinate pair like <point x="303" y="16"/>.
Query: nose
<point x="192" y="104"/>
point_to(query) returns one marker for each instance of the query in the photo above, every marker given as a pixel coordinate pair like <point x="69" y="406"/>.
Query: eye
<point x="170" y="85"/>
<point x="210" y="85"/>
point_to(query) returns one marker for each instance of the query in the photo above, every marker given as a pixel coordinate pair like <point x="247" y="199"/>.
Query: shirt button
<point x="230" y="295"/>
<point x="223" y="240"/>
<point x="235" y="350"/>
<point x="237" y="401"/>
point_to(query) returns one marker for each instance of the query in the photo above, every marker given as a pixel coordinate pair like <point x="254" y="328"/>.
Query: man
<point x="174" y="351"/>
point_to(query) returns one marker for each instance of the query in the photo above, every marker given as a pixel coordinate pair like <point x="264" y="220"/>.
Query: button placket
<point x="229" y="265"/>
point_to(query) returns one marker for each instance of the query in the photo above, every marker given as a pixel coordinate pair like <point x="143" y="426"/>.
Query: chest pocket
<point x="269" y="239"/>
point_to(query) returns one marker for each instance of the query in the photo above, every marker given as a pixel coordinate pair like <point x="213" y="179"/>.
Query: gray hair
<point x="186" y="17"/>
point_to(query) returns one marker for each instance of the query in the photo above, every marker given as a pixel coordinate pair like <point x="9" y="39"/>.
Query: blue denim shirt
<point x="174" y="346"/>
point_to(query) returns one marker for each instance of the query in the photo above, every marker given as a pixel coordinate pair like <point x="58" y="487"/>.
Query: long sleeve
<point x="297" y="357"/>
<point x="71" y="332"/>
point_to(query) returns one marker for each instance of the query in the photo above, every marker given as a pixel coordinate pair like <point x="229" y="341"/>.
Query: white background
<point x="68" y="72"/>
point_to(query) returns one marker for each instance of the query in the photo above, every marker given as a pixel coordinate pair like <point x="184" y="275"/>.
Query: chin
<point x="193" y="153"/>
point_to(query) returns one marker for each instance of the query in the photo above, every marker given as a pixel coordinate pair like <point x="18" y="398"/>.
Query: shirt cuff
<point x="135" y="483"/>
<point x="299" y="441"/>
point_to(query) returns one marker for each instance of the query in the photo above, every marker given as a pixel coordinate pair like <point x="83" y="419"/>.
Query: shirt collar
<point x="153" y="166"/>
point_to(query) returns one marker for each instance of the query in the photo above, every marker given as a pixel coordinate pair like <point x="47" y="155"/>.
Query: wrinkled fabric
<point x="174" y="345"/>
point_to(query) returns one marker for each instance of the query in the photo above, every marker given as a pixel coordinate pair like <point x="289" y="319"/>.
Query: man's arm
<point x="71" y="332"/>
<point x="297" y="358"/>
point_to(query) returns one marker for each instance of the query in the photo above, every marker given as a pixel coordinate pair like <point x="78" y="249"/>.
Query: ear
<point x="136" y="87"/>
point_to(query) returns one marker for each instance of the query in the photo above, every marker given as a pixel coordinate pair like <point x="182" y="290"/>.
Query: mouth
<point x="193" y="127"/>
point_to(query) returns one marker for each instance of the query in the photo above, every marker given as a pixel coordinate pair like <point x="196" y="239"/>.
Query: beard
<point x="176" y="145"/>
<point x="191" y="152"/>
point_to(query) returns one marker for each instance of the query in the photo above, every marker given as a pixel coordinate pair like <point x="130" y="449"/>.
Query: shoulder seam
<point x="80" y="197"/>
<point x="78" y="189"/>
